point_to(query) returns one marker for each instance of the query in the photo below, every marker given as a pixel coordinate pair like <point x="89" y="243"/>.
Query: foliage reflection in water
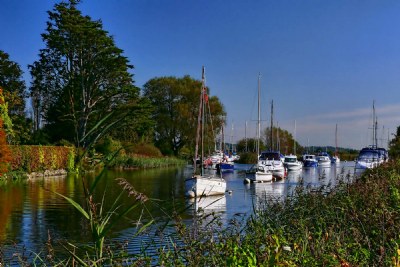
<point x="30" y="211"/>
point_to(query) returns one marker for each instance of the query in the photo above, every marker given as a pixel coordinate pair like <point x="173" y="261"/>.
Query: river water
<point x="31" y="211"/>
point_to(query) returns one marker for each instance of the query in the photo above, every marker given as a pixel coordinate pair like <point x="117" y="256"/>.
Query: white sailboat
<point x="203" y="184"/>
<point x="263" y="173"/>
<point x="290" y="162"/>
<point x="372" y="156"/>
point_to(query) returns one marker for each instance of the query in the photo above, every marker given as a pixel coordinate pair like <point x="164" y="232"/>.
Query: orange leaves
<point x="5" y="153"/>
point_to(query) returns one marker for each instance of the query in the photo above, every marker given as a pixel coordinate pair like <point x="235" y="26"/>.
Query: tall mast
<point x="374" y="126"/>
<point x="199" y="121"/>
<point x="245" y="136"/>
<point x="336" y="141"/>
<point x="203" y="91"/>
<point x="258" y="117"/>
<point x="294" y="139"/>
<point x="271" y="144"/>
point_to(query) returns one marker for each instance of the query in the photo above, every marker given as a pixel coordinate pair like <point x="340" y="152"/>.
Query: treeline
<point x="82" y="93"/>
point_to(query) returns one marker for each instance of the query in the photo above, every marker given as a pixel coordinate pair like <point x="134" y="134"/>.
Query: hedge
<point x="39" y="158"/>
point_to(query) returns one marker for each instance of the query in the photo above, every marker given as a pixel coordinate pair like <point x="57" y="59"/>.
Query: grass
<point x="139" y="162"/>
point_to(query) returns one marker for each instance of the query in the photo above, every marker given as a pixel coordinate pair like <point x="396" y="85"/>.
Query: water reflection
<point x="30" y="210"/>
<point x="211" y="203"/>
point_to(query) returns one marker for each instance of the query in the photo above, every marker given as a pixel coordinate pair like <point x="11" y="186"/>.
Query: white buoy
<point x="246" y="180"/>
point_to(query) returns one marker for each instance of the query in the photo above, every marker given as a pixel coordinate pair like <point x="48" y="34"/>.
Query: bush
<point x="39" y="158"/>
<point x="143" y="149"/>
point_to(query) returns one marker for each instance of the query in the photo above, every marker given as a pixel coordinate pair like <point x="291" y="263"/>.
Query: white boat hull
<point x="205" y="186"/>
<point x="295" y="166"/>
<point x="263" y="174"/>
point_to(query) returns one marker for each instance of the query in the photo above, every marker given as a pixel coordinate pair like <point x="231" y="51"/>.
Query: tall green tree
<point x="14" y="91"/>
<point x="81" y="81"/>
<point x="176" y="104"/>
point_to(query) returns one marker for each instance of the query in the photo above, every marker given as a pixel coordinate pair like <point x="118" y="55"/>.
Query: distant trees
<point x="175" y="102"/>
<point x="81" y="85"/>
<point x="281" y="139"/>
<point x="394" y="145"/>
<point x="249" y="145"/>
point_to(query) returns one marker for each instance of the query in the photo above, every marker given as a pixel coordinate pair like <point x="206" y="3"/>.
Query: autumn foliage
<point x="5" y="153"/>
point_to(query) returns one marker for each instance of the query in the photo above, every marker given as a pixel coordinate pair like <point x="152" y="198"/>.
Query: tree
<point x="81" y="85"/>
<point x="282" y="140"/>
<point x="175" y="102"/>
<point x="394" y="145"/>
<point x="14" y="95"/>
<point x="5" y="153"/>
<point x="249" y="145"/>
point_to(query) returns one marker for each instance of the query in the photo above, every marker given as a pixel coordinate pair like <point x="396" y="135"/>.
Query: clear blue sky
<point x="322" y="62"/>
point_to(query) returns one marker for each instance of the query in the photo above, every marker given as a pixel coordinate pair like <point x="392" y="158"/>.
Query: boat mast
<point x="199" y="121"/>
<point x="203" y="115"/>
<point x="336" y="154"/>
<point x="258" y="118"/>
<point x="374" y="126"/>
<point x="245" y="136"/>
<point x="294" y="140"/>
<point x="271" y="144"/>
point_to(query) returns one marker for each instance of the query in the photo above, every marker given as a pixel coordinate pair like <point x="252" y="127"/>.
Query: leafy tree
<point x="14" y="95"/>
<point x="281" y="140"/>
<point x="138" y="125"/>
<point x="5" y="118"/>
<point x="394" y="145"/>
<point x="176" y="104"/>
<point x="5" y="153"/>
<point x="251" y="145"/>
<point x="81" y="84"/>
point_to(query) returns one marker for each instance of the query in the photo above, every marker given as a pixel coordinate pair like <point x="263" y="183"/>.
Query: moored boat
<point x="309" y="161"/>
<point x="324" y="160"/>
<point x="292" y="164"/>
<point x="202" y="184"/>
<point x="272" y="161"/>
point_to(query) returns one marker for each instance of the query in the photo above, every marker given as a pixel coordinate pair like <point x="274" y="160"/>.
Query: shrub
<point x="38" y="158"/>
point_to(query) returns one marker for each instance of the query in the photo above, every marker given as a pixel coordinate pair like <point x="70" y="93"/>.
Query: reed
<point x="138" y="162"/>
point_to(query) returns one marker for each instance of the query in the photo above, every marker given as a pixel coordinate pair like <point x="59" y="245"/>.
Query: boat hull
<point x="204" y="186"/>
<point x="294" y="166"/>
<point x="227" y="166"/>
<point x="310" y="164"/>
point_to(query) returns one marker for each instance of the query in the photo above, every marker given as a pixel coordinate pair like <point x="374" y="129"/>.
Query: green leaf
<point x="76" y="205"/>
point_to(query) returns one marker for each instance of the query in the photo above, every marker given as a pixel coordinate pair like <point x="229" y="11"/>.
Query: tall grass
<point x="137" y="162"/>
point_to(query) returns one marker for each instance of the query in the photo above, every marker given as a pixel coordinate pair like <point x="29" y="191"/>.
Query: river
<point x="31" y="212"/>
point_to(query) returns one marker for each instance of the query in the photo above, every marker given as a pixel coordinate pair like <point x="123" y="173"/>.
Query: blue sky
<point x="322" y="62"/>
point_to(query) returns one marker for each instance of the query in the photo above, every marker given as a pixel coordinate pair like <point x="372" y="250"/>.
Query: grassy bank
<point x="141" y="162"/>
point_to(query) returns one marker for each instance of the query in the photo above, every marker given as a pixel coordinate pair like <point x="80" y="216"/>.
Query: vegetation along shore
<point x="87" y="115"/>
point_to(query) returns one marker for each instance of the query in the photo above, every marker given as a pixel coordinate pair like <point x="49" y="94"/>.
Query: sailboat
<point x="272" y="159"/>
<point x="290" y="162"/>
<point x="203" y="184"/>
<point x="335" y="159"/>
<point x="263" y="173"/>
<point x="372" y="156"/>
